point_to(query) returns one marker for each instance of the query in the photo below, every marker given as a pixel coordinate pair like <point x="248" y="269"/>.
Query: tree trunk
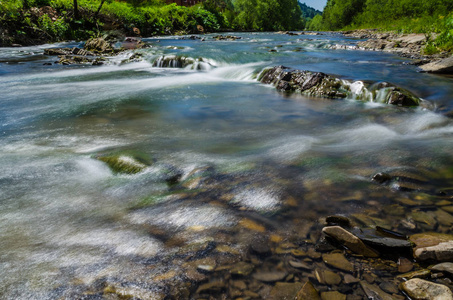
<point x="76" y="10"/>
<point x="99" y="9"/>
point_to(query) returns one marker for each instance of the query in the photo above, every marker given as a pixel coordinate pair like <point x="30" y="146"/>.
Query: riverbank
<point x="413" y="46"/>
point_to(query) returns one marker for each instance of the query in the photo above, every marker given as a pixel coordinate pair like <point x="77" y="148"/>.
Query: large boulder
<point x="98" y="45"/>
<point x="444" y="66"/>
<point x="433" y="246"/>
<point x="419" y="289"/>
<point x="317" y="84"/>
<point x="349" y="240"/>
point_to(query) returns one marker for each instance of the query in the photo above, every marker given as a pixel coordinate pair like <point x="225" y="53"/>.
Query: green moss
<point x="125" y="162"/>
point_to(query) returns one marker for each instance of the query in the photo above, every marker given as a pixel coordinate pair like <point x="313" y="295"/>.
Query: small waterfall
<point x="174" y="61"/>
<point x="318" y="84"/>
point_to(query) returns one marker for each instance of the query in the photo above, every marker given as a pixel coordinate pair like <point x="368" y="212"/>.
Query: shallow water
<point x="66" y="220"/>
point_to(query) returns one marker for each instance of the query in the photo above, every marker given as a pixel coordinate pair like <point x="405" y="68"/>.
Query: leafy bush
<point x="445" y="39"/>
<point x="55" y="29"/>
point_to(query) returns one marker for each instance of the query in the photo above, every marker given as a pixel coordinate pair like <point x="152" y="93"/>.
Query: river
<point x="231" y="160"/>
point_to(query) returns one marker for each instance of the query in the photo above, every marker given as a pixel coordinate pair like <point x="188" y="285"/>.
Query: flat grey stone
<point x="444" y="66"/>
<point x="423" y="289"/>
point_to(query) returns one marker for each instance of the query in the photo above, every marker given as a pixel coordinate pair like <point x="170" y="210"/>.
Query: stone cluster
<point x="321" y="85"/>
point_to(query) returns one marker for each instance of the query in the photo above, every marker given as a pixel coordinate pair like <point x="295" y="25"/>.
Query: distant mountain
<point x="308" y="12"/>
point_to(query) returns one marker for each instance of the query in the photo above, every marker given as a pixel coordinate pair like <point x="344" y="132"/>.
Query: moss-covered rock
<point x="98" y="45"/>
<point x="125" y="162"/>
<point x="317" y="84"/>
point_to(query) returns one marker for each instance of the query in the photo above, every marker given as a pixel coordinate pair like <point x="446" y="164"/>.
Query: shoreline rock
<point x="442" y="66"/>
<point x="93" y="51"/>
<point x="406" y="45"/>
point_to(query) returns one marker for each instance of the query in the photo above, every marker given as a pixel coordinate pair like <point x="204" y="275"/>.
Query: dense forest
<point x="34" y="21"/>
<point x="421" y="16"/>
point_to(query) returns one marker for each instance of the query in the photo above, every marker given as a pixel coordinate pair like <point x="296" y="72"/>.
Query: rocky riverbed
<point x="355" y="203"/>
<point x="393" y="250"/>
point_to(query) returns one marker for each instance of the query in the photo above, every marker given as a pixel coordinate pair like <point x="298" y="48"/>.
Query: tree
<point x="76" y="10"/>
<point x="268" y="15"/>
<point x="338" y="14"/>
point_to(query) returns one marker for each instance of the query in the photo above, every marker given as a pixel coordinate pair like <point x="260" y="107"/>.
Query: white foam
<point x="184" y="217"/>
<point x="257" y="199"/>
<point x="123" y="242"/>
<point x="290" y="148"/>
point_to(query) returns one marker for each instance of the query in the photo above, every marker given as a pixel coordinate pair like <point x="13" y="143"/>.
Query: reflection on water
<point x="232" y="158"/>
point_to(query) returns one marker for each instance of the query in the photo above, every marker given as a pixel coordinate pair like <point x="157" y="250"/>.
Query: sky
<point x="318" y="4"/>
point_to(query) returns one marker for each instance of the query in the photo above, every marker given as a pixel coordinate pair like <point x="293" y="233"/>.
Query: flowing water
<point x="243" y="159"/>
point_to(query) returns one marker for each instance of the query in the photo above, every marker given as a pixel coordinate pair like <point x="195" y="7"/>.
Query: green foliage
<point x="55" y="29"/>
<point x="444" y="40"/>
<point x="222" y="10"/>
<point x="315" y="24"/>
<point x="308" y="12"/>
<point x="151" y="17"/>
<point x="268" y="15"/>
<point x="338" y="14"/>
<point x="10" y="9"/>
<point x="402" y="15"/>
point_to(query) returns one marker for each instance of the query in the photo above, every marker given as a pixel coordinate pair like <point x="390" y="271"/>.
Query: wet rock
<point x="386" y="242"/>
<point x="419" y="289"/>
<point x="425" y="219"/>
<point x="252" y="295"/>
<point x="369" y="278"/>
<point x="226" y="37"/>
<point x="402" y="97"/>
<point x="327" y="277"/>
<point x="349" y="240"/>
<point x="321" y="85"/>
<point x="130" y="292"/>
<point x="285" y="290"/>
<point x="308" y="292"/>
<point x="390" y="233"/>
<point x="443" y="217"/>
<point x="333" y="296"/>
<point x="251" y="225"/>
<point x="242" y="269"/>
<point x="440" y="252"/>
<point x="337" y="260"/>
<point x="133" y="43"/>
<point x="260" y="248"/>
<point x="298" y="253"/>
<point x="348" y="279"/>
<point x="427" y="239"/>
<point x="404" y="265"/>
<point x="239" y="284"/>
<point x="387" y="246"/>
<point x="72" y="60"/>
<point x="299" y="265"/>
<point x="374" y="292"/>
<point x="443" y="66"/>
<point x="446" y="267"/>
<point x="424" y="273"/>
<point x="195" y="276"/>
<point x="126" y="162"/>
<point x="211" y="287"/>
<point x="389" y="287"/>
<point x="58" y="51"/>
<point x="269" y="277"/>
<point x="338" y="220"/>
<point x="173" y="61"/>
<point x="206" y="268"/>
<point x="98" y="45"/>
